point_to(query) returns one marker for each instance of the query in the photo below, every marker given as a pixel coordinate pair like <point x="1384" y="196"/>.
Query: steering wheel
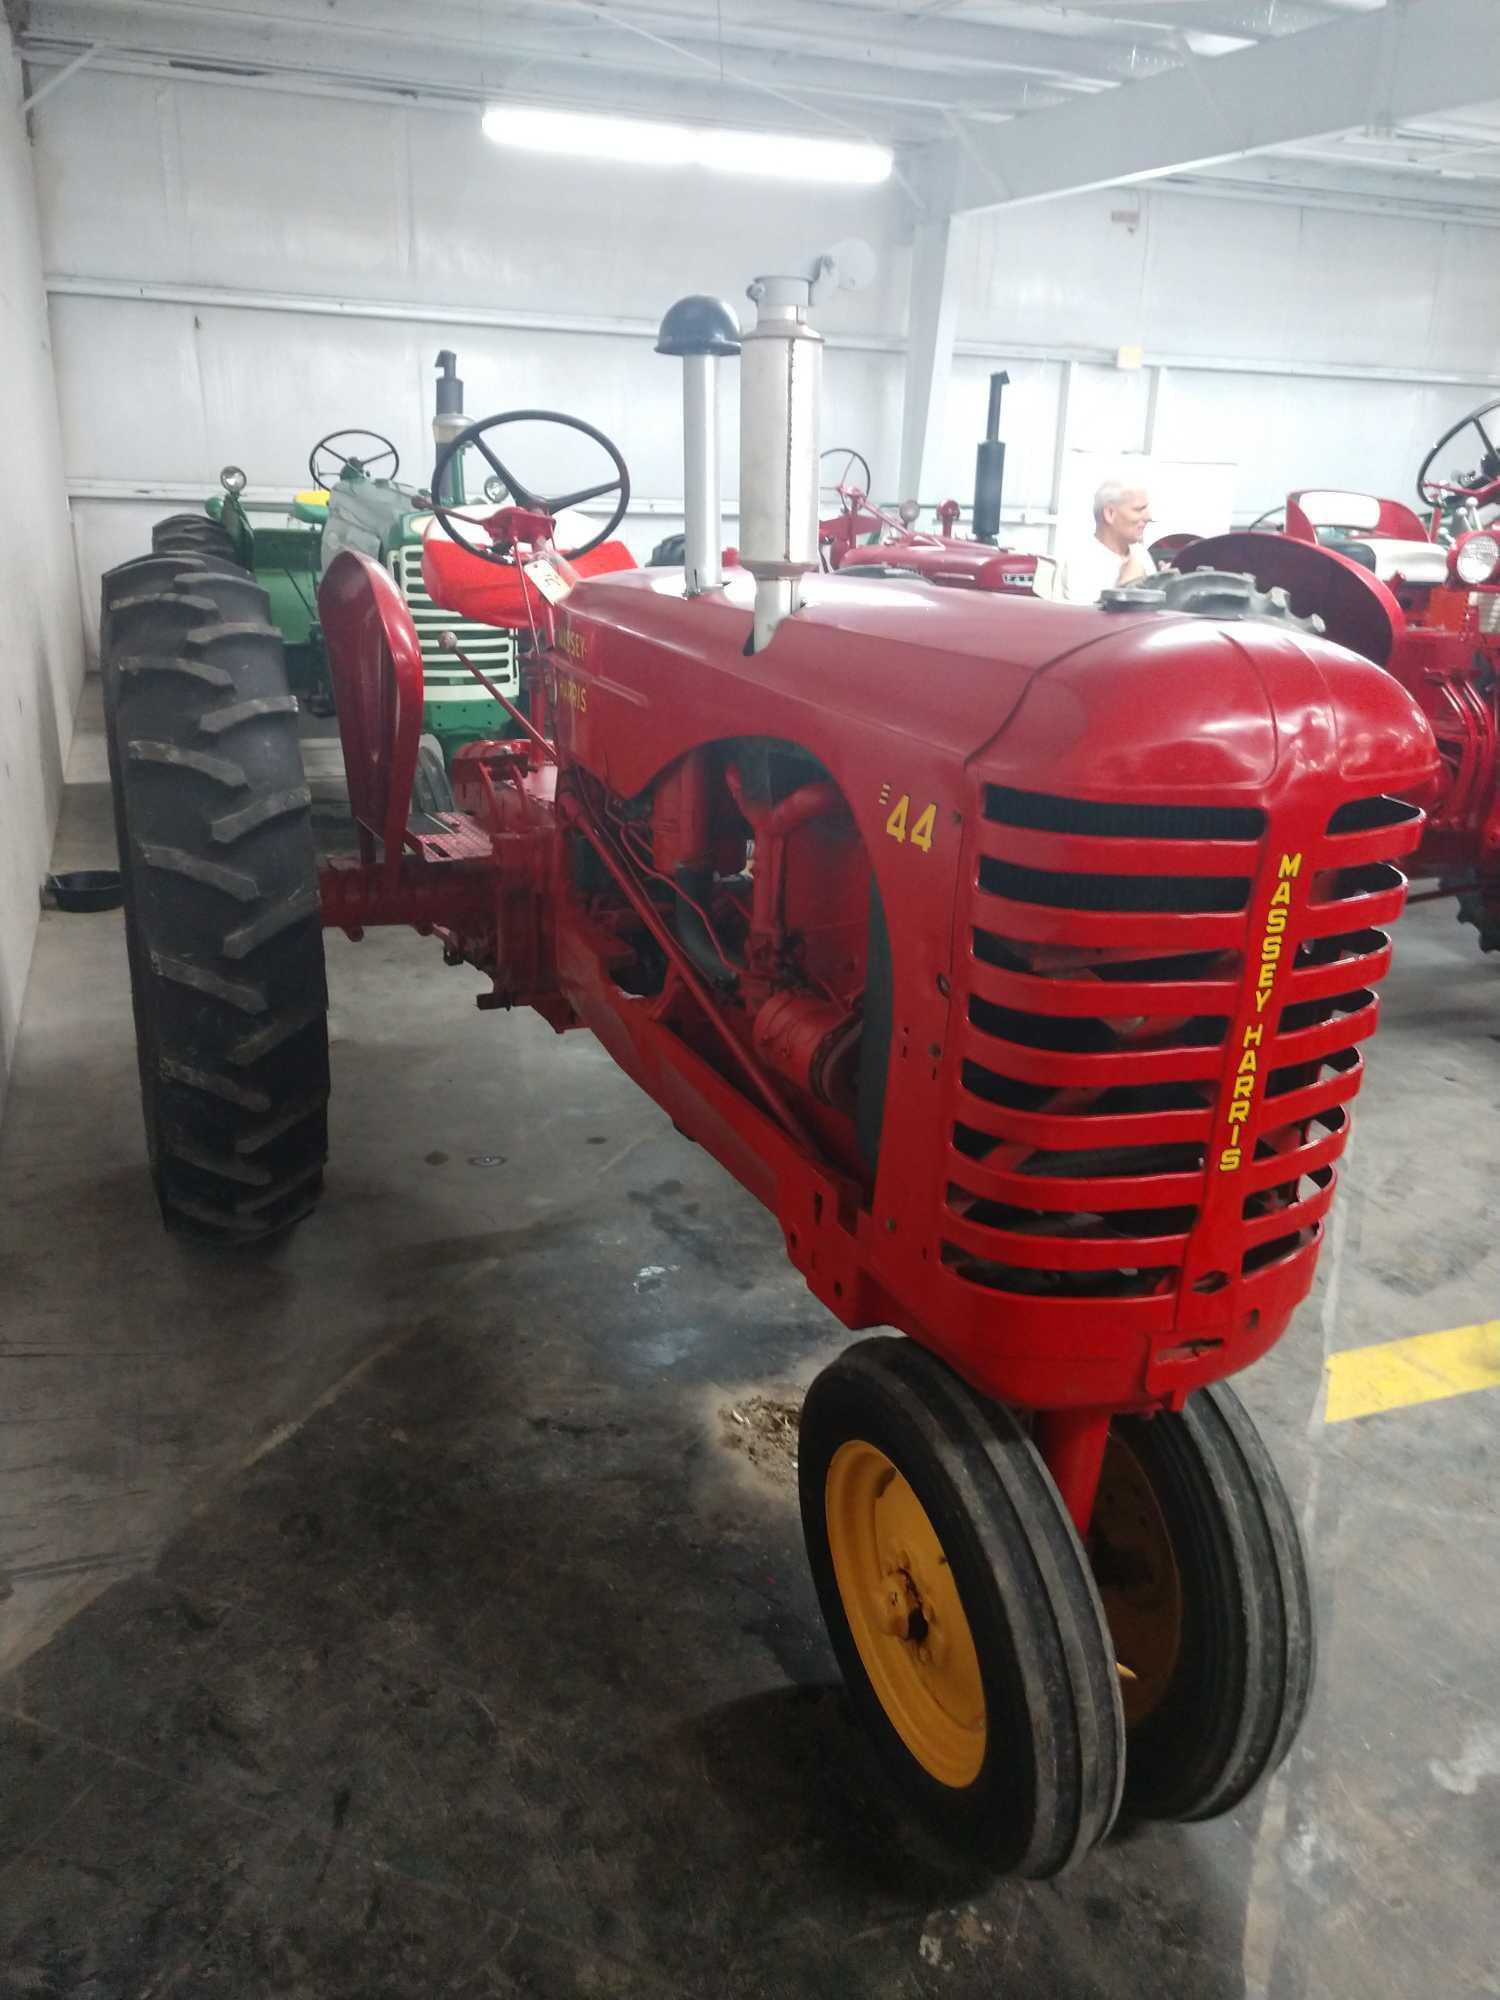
<point x="347" y="461"/>
<point x="846" y="461"/>
<point x="541" y="503"/>
<point x="1479" y="485"/>
<point x="1261" y="523"/>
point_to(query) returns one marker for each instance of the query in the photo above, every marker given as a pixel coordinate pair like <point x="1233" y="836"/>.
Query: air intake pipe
<point x="703" y="331"/>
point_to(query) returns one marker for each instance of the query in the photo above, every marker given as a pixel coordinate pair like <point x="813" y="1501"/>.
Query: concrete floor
<point x="398" y="1614"/>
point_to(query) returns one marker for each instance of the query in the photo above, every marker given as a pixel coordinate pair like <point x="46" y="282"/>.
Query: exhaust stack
<point x="703" y="331"/>
<point x="447" y="422"/>
<point x="989" y="468"/>
<point x="781" y="372"/>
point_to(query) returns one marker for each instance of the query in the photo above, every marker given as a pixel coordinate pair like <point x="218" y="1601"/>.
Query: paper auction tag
<point x="545" y="574"/>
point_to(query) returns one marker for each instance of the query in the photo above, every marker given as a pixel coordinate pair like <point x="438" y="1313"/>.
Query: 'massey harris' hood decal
<point x="1245" y="1085"/>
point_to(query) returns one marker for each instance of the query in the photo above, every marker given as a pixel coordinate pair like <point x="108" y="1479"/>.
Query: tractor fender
<point x="1358" y="611"/>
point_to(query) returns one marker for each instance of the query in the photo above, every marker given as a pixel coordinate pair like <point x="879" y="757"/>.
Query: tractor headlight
<point x="1475" y="559"/>
<point x="232" y="479"/>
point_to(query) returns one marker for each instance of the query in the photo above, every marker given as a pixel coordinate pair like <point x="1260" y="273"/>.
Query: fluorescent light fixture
<point x="592" y="135"/>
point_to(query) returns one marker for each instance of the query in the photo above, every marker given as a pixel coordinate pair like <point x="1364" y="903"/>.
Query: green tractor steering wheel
<point x="348" y="462"/>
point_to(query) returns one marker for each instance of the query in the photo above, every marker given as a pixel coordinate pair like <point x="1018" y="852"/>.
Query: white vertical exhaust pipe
<point x="703" y="331"/>
<point x="781" y="373"/>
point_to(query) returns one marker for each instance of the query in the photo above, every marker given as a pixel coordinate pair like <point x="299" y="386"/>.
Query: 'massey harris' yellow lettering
<point x="1246" y="1078"/>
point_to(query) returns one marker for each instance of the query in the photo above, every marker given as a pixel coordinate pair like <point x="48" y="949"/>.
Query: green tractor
<point x="355" y="502"/>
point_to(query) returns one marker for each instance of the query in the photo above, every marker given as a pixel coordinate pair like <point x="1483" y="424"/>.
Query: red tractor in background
<point x="862" y="538"/>
<point x="865" y="540"/>
<point x="1015" y="956"/>
<point x="1427" y="610"/>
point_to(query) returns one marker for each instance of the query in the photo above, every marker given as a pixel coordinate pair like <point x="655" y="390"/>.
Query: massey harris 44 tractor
<point x="1427" y="611"/>
<point x="1031" y="1010"/>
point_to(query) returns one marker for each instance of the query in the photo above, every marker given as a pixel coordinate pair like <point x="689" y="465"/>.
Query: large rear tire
<point x="192" y="534"/>
<point x="221" y="897"/>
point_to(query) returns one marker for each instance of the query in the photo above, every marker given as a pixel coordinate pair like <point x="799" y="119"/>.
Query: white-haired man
<point x="1115" y="552"/>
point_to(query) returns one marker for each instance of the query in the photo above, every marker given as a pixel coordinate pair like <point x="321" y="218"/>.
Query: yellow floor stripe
<point x="1423" y="1369"/>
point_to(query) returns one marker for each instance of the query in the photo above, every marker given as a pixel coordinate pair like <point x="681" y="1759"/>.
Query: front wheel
<point x="1199" y="1563"/>
<point x="961" y="1608"/>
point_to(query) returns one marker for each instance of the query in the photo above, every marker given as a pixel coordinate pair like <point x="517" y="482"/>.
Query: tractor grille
<point x="488" y="646"/>
<point x="1109" y="996"/>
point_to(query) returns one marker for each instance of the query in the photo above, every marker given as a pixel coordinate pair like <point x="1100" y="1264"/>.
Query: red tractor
<point x="861" y="537"/>
<point x="1428" y="611"/>
<point x="1031" y="1008"/>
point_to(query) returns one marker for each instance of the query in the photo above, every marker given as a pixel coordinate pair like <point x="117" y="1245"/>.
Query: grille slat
<point x="1051" y="1191"/>
<point x="1316" y="1152"/>
<point x="1066" y="853"/>
<point x="1037" y="1251"/>
<point x="1302" y="1101"/>
<point x="1091" y="1072"/>
<point x="1157" y="934"/>
<point x="1364" y="967"/>
<point x="1379" y="843"/>
<point x="1299" y="1215"/>
<point x="1292" y="1048"/>
<point x="1062" y="1131"/>
<point x="1100" y="998"/>
<point x="1321" y="920"/>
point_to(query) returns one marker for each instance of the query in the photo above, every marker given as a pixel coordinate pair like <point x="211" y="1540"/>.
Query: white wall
<point x="211" y="187"/>
<point x="1316" y="305"/>
<point x="227" y="194"/>
<point x="41" y="657"/>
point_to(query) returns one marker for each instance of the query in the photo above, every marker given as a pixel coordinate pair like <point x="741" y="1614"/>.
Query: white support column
<point x="1154" y="393"/>
<point x="1061" y="440"/>
<point x="931" y="323"/>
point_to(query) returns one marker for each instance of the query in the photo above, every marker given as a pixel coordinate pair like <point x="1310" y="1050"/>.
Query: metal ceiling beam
<point x="761" y="86"/>
<point x="1371" y="69"/>
<point x="533" y="68"/>
<point x="1247" y="20"/>
<point x="803" y="28"/>
<point x="910" y="40"/>
<point x="1297" y="181"/>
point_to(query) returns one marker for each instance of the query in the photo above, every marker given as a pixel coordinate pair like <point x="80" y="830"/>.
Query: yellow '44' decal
<point x="919" y="832"/>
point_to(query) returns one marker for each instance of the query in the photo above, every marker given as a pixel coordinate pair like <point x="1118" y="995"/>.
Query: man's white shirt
<point x="1089" y="567"/>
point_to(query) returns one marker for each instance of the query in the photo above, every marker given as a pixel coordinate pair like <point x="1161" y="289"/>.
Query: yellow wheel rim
<point x="904" y="1610"/>
<point x="1130" y="1548"/>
